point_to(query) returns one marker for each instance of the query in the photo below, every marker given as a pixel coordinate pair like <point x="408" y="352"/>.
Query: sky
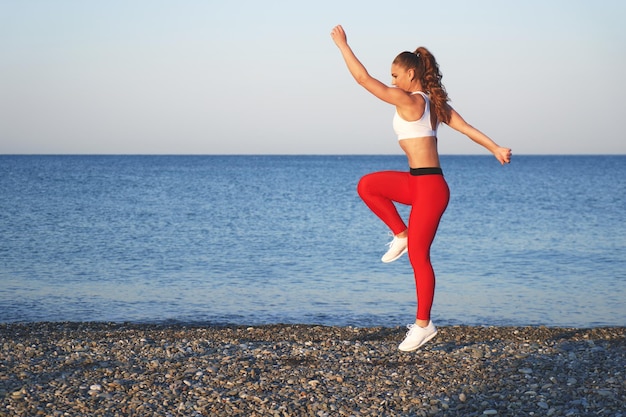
<point x="264" y="77"/>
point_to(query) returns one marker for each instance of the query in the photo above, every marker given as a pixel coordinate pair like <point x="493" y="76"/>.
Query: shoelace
<point x="394" y="240"/>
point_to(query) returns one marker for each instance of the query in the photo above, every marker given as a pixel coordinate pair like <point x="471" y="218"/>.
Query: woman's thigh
<point x="393" y="185"/>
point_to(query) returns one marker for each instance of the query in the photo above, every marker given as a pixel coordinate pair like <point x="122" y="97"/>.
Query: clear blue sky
<point x="258" y="77"/>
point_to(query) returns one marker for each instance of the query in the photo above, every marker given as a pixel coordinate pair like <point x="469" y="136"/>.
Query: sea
<point x="264" y="239"/>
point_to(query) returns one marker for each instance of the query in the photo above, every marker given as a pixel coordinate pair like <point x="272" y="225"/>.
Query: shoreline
<point x="119" y="369"/>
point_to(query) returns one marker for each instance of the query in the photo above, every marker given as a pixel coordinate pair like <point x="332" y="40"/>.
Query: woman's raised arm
<point x="388" y="94"/>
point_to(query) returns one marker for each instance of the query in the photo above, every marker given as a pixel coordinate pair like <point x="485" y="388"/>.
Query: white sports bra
<point x="418" y="128"/>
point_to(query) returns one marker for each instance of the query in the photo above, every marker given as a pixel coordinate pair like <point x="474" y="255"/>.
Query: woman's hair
<point x="427" y="70"/>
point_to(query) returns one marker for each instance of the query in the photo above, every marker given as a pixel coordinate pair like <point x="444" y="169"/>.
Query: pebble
<point x="104" y="369"/>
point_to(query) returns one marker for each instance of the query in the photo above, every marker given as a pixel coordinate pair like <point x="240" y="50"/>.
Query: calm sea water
<point x="286" y="239"/>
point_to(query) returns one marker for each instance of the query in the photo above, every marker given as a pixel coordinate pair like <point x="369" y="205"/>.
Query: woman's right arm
<point x="390" y="95"/>
<point x="457" y="123"/>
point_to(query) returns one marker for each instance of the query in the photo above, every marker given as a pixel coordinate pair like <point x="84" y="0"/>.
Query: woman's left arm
<point x="457" y="123"/>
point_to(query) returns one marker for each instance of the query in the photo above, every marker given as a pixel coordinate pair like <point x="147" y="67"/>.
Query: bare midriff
<point x="421" y="152"/>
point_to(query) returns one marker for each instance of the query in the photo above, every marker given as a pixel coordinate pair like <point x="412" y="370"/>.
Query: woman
<point x="421" y="104"/>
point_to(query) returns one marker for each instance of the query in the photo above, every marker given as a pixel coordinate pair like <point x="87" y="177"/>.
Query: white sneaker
<point x="417" y="336"/>
<point x="397" y="248"/>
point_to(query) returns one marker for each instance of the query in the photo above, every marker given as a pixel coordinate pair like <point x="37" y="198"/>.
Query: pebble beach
<point x="113" y="369"/>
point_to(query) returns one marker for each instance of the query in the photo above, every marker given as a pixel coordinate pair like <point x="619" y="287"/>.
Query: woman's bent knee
<point x="364" y="187"/>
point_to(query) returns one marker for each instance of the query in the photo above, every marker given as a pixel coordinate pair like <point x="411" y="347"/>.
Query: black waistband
<point x="426" y="171"/>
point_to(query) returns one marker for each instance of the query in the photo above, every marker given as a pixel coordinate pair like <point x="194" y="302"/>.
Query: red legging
<point x="428" y="197"/>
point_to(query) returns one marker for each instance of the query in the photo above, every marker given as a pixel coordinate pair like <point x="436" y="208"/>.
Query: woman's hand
<point x="339" y="36"/>
<point x="503" y="155"/>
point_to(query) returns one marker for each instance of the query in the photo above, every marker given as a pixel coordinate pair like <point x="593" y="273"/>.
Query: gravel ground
<point x="106" y="369"/>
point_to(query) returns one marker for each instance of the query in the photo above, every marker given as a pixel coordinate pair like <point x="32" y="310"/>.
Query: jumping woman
<point x="421" y="105"/>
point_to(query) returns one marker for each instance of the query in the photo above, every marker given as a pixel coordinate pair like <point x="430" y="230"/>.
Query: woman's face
<point x="401" y="77"/>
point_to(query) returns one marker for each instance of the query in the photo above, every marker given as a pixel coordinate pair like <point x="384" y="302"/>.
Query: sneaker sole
<point x="421" y="344"/>
<point x="396" y="258"/>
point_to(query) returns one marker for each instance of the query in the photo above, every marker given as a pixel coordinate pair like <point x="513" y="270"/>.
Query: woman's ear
<point x="411" y="74"/>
